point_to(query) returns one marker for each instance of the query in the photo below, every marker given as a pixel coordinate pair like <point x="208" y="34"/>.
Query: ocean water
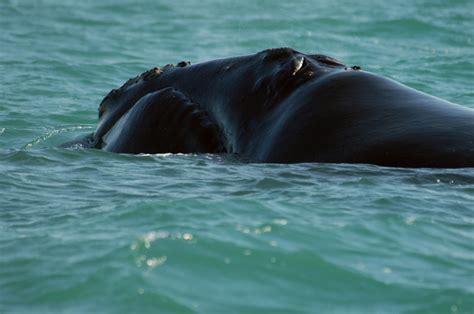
<point x="85" y="231"/>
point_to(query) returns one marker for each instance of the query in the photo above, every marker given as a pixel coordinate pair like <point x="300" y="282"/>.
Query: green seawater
<point x="85" y="231"/>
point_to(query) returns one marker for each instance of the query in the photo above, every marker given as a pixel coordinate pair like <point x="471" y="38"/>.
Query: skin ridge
<point x="180" y="124"/>
<point x="150" y="74"/>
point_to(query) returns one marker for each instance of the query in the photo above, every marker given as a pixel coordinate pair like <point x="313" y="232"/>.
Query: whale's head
<point x="241" y="92"/>
<point x="281" y="105"/>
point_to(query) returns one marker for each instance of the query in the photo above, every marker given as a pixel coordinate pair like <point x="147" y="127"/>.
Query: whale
<point x="283" y="106"/>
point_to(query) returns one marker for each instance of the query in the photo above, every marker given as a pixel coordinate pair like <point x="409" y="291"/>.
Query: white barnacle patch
<point x="298" y="64"/>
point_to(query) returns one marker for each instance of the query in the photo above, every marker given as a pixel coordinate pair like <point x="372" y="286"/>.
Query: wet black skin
<point x="283" y="106"/>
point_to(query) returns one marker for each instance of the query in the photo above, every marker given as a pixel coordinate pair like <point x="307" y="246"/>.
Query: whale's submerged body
<point x="283" y="106"/>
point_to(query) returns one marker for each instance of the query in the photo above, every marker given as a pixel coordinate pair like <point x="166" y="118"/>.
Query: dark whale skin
<point x="283" y="106"/>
